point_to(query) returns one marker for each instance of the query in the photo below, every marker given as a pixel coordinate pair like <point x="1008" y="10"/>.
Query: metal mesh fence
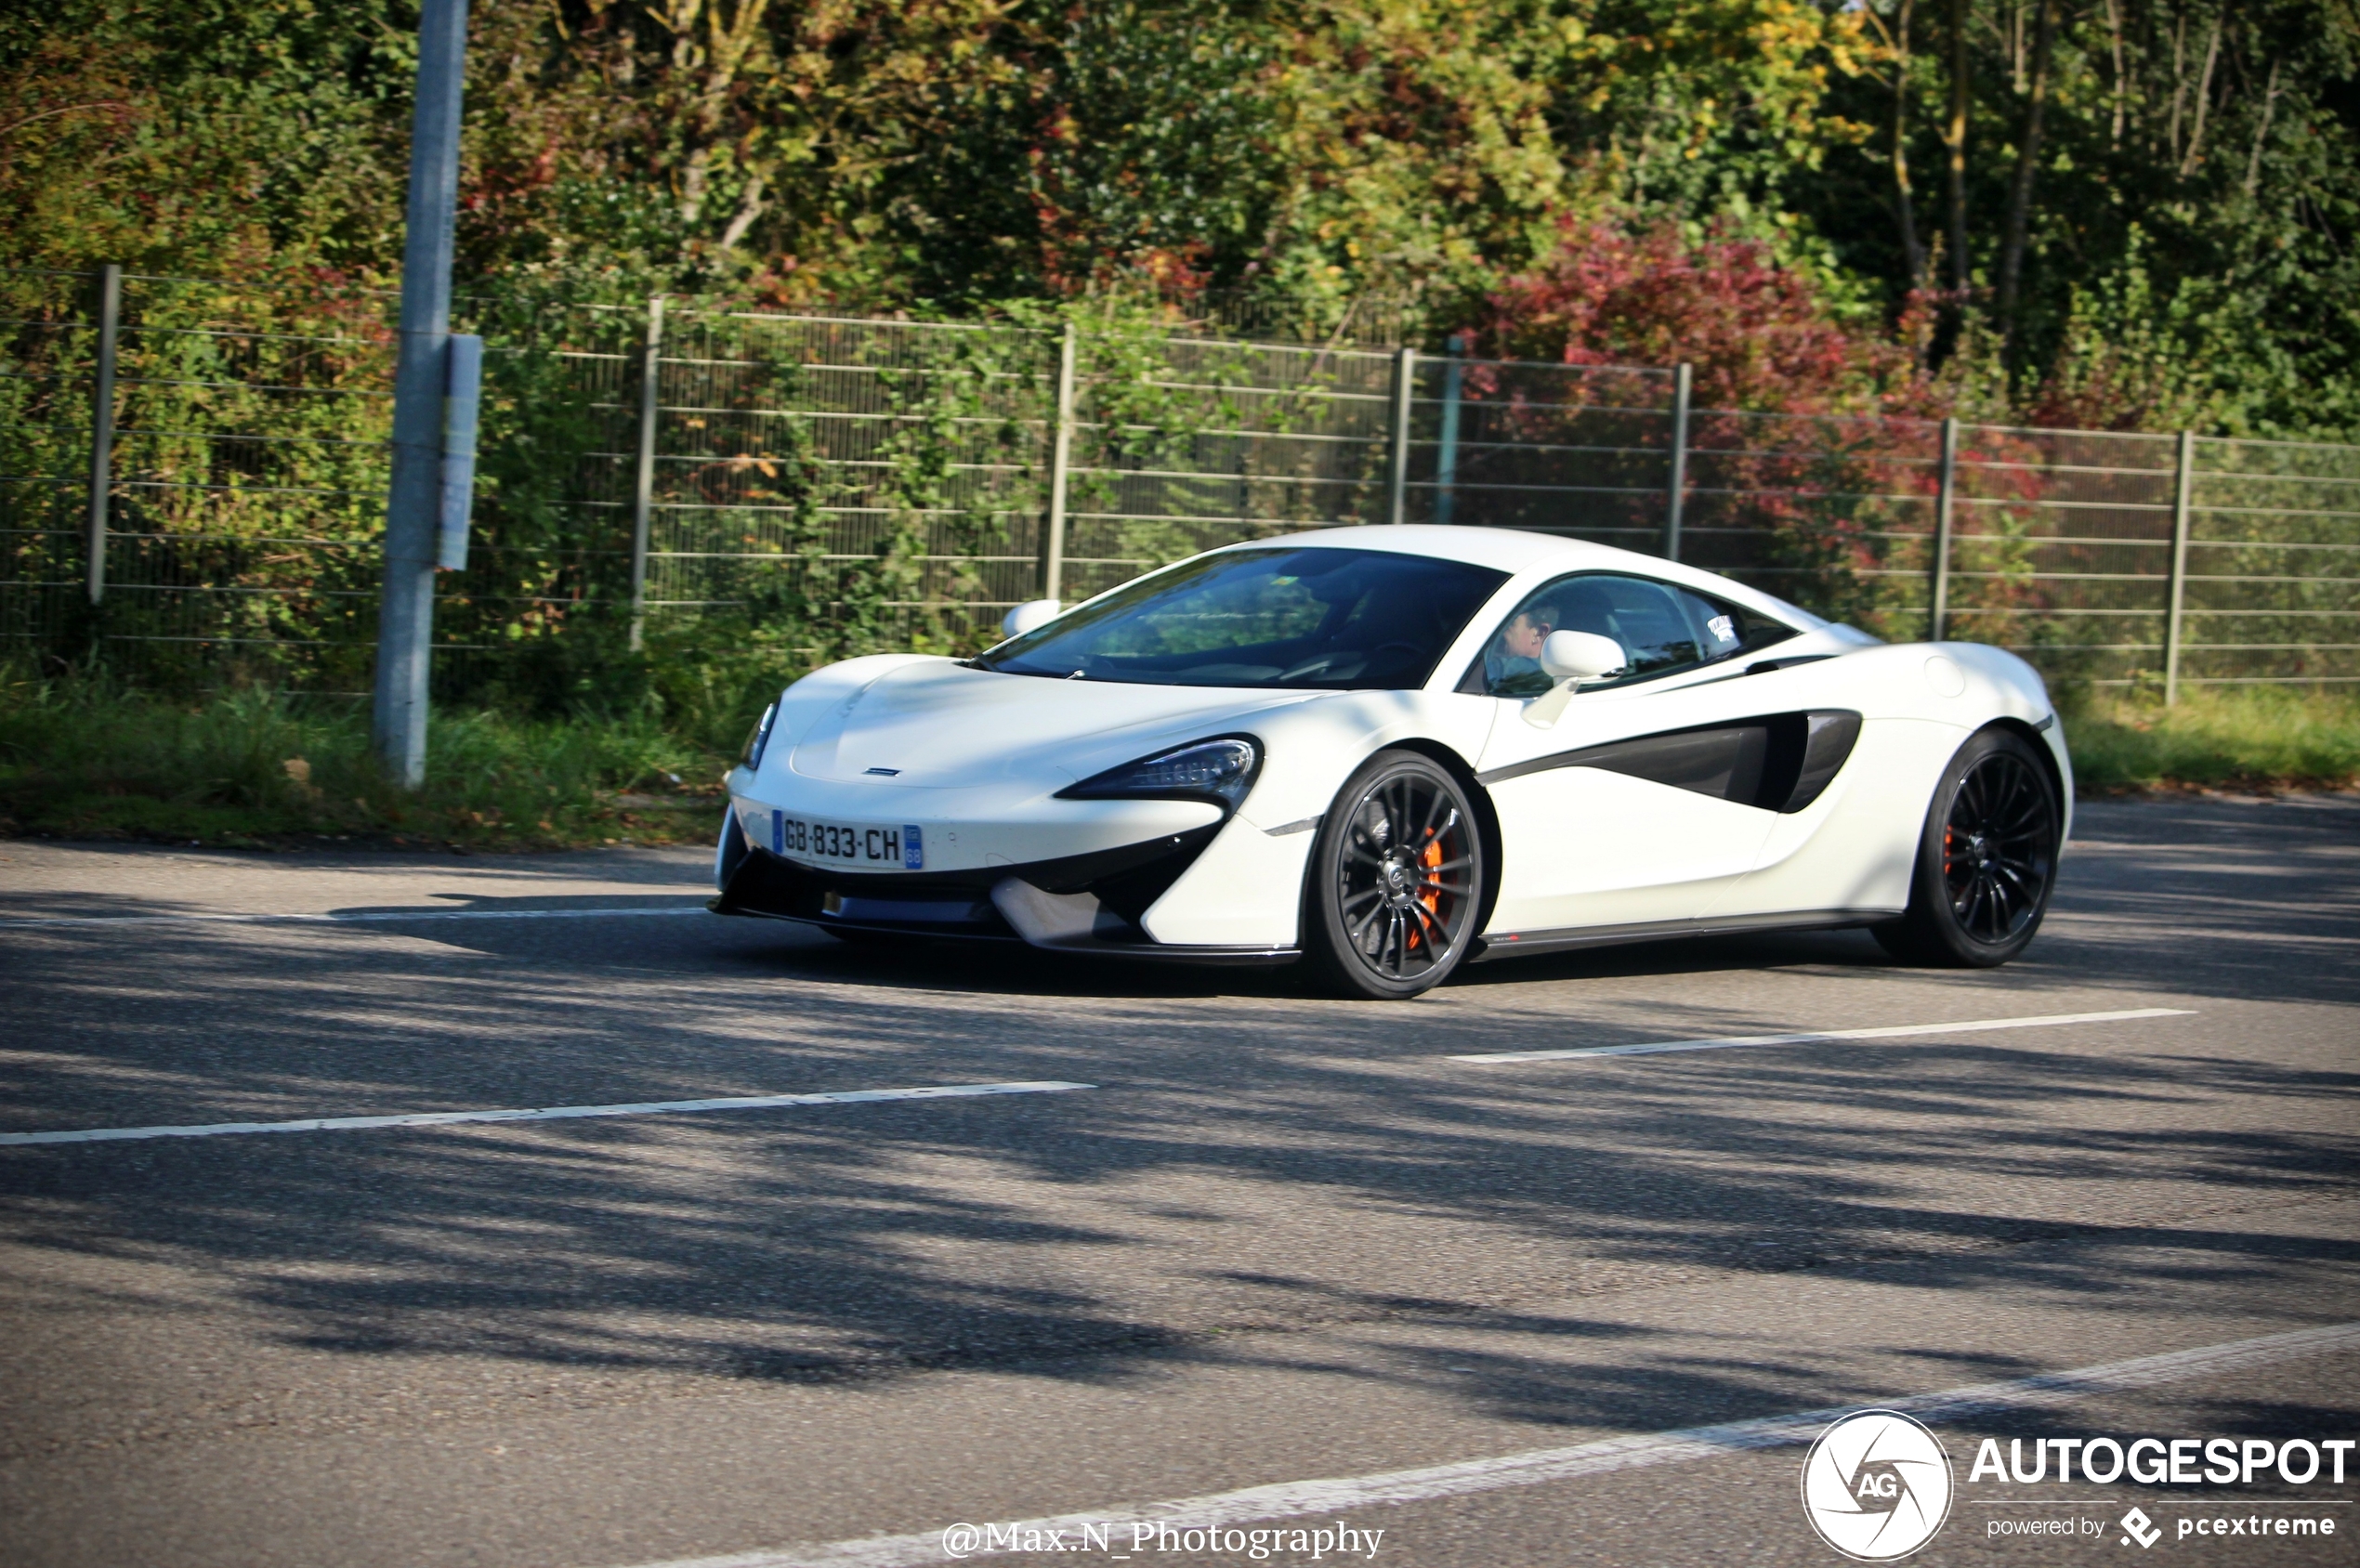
<point x="2061" y="548"/>
<point x="244" y="487"/>
<point x="1181" y="445"/>
<point x="44" y="454"/>
<point x="2273" y="578"/>
<point x="888" y="481"/>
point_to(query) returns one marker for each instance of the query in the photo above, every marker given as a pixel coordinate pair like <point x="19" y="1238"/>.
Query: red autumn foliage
<point x="1758" y="334"/>
<point x="1809" y="486"/>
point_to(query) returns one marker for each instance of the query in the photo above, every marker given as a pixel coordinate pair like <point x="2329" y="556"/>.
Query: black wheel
<point x="1396" y="877"/>
<point x="1986" y="860"/>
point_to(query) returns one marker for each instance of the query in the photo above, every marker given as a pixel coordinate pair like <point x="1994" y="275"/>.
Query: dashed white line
<point x="1891" y="1031"/>
<point x="371" y="916"/>
<point x="550" y="1112"/>
<point x="1296" y="1499"/>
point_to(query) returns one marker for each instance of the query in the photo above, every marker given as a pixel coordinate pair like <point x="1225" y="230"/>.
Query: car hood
<point x="940" y="724"/>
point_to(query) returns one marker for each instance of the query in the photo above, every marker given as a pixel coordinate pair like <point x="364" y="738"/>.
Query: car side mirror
<point x="1581" y="656"/>
<point x="1026" y="616"/>
<point x="1569" y="659"/>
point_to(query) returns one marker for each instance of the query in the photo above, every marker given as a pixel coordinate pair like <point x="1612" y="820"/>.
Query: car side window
<point x="1661" y="630"/>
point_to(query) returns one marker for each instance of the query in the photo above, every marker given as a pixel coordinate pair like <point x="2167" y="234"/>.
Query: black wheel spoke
<point x="1427" y="921"/>
<point x="1440" y="803"/>
<point x="2002" y="917"/>
<point x="2016" y="874"/>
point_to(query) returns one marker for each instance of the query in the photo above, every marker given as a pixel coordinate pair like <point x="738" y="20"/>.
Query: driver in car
<point x="1514" y="654"/>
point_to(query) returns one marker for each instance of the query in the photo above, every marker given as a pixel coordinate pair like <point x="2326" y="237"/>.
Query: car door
<point x="1652" y="793"/>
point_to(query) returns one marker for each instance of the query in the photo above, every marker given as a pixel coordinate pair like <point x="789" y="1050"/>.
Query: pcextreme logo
<point x="1876" y="1485"/>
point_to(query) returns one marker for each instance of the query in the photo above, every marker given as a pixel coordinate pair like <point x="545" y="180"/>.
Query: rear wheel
<point x="1396" y="877"/>
<point x="1985" y="862"/>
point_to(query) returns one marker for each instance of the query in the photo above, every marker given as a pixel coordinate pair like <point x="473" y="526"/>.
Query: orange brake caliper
<point x="1432" y="895"/>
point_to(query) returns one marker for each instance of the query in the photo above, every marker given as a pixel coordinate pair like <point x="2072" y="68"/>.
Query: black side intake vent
<point x="1776" y="761"/>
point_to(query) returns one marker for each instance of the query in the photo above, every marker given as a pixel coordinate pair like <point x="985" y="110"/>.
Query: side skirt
<point x="1511" y="944"/>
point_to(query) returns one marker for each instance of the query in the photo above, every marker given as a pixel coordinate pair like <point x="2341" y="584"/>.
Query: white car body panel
<point x="1223" y="900"/>
<point x="1856" y="846"/>
<point x="974" y="760"/>
<point x="1579" y="864"/>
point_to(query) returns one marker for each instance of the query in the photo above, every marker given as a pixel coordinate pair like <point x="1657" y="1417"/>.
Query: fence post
<point x="1675" y="494"/>
<point x="1446" y="457"/>
<point x="1052" y="543"/>
<point x="643" y="492"/>
<point x="1405" y="370"/>
<point x="1946" y="488"/>
<point x="2183" y="493"/>
<point x="102" y="426"/>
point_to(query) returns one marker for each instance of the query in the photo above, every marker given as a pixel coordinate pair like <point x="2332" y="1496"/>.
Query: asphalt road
<point x="1278" y="1240"/>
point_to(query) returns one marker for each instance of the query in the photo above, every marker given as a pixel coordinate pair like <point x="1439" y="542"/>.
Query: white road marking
<point x="376" y="915"/>
<point x="1296" y="1499"/>
<point x="1893" y="1031"/>
<point x="552" y="1113"/>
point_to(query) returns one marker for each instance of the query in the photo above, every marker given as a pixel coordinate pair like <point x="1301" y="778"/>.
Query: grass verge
<point x="2250" y="738"/>
<point x="257" y="768"/>
<point x="82" y="758"/>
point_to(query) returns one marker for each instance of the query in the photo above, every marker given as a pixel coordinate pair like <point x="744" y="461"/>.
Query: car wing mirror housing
<point x="1026" y="616"/>
<point x="1581" y="656"/>
<point x="1569" y="659"/>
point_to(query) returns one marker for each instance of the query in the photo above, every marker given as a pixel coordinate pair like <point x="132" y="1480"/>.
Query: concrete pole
<point x="1445" y="458"/>
<point x="1405" y="373"/>
<point x="1944" y="498"/>
<point x="2175" y="591"/>
<point x="1675" y="498"/>
<point x="102" y="427"/>
<point x="414" y="501"/>
<point x="1053" y="540"/>
<point x="643" y="489"/>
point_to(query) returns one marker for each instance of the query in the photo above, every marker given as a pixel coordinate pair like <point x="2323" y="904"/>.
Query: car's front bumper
<point x="1094" y="902"/>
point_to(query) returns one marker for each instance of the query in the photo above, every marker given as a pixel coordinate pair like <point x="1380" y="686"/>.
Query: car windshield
<point x="1351" y="619"/>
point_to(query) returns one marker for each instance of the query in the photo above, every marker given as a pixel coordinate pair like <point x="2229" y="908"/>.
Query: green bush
<point x="2255" y="737"/>
<point x="83" y="756"/>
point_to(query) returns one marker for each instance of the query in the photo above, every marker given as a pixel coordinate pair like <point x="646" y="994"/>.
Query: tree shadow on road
<point x="1256" y="1159"/>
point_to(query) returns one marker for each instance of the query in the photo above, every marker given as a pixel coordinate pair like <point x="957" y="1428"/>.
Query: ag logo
<point x="1876" y="1485"/>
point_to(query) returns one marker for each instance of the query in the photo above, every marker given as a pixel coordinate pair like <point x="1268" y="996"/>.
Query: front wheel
<point x="1396" y="877"/>
<point x="1985" y="862"/>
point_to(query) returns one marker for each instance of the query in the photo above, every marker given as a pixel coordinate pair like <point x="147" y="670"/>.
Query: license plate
<point x="848" y="844"/>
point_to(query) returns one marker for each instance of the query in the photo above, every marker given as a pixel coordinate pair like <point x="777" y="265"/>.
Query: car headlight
<point x="759" y="742"/>
<point x="1220" y="771"/>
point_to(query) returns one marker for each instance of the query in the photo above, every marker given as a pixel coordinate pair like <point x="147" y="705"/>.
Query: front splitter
<point x="1087" y="904"/>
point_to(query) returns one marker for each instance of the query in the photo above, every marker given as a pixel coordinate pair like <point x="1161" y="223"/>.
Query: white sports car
<point x="1392" y="751"/>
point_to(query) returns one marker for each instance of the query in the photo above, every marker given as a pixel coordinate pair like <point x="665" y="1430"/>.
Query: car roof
<point x="1508" y="550"/>
<point x="1518" y="552"/>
